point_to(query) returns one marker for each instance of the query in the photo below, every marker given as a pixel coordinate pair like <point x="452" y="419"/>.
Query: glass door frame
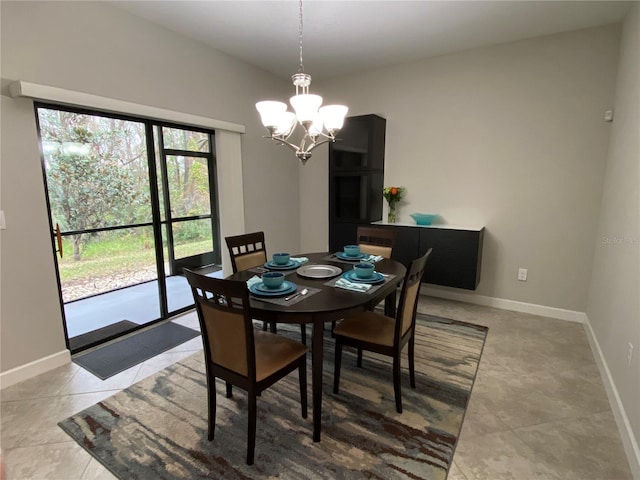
<point x="157" y="223"/>
<point x="214" y="256"/>
<point x="195" y="261"/>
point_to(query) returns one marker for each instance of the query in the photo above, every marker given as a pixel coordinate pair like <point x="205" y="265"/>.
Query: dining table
<point x="322" y="303"/>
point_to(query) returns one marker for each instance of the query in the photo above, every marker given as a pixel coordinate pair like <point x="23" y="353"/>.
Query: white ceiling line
<point x="79" y="99"/>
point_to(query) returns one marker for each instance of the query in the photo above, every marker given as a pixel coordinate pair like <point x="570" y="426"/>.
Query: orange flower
<point x="393" y="194"/>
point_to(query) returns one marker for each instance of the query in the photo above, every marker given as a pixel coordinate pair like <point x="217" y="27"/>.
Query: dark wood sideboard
<point x="457" y="252"/>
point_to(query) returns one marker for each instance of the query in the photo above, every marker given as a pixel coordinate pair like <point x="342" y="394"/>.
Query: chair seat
<point x="273" y="352"/>
<point x="367" y="327"/>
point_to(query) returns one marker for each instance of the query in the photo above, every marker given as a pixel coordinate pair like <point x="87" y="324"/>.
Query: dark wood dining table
<point x="328" y="304"/>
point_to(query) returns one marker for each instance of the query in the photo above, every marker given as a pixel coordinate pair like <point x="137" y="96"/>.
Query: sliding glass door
<point x="186" y="186"/>
<point x="132" y="202"/>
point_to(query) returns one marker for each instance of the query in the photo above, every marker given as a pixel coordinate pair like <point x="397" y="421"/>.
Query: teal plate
<point x="374" y="280"/>
<point x="260" y="290"/>
<point x="271" y="265"/>
<point x="355" y="258"/>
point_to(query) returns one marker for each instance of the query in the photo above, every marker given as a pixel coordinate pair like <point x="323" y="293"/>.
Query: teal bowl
<point x="281" y="258"/>
<point x="273" y="279"/>
<point x="352" y="250"/>
<point x="424" y="218"/>
<point x="364" y="270"/>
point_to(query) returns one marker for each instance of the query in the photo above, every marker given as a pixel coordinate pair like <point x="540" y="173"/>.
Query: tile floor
<point x="538" y="408"/>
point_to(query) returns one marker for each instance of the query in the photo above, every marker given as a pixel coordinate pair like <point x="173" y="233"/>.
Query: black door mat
<point x="117" y="357"/>
<point x="104" y="334"/>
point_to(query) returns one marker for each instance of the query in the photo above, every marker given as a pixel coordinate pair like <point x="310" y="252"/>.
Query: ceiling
<point x="342" y="37"/>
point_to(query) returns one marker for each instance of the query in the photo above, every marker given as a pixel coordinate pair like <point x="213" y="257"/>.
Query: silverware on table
<point x="302" y="292"/>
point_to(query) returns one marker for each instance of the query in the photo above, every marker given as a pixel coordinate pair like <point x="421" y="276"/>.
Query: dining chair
<point x="373" y="241"/>
<point x="249" y="250"/>
<point x="376" y="241"/>
<point x="388" y="336"/>
<point x="238" y="353"/>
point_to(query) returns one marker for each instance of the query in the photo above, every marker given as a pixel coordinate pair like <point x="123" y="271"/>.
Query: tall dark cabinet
<point x="356" y="176"/>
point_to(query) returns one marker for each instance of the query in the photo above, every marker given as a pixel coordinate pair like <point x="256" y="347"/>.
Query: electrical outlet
<point x="522" y="274"/>
<point x="630" y="354"/>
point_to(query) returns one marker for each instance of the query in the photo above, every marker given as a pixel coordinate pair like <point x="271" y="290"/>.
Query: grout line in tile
<point x="466" y="475"/>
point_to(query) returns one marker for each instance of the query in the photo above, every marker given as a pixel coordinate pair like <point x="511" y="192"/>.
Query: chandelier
<point x="320" y="124"/>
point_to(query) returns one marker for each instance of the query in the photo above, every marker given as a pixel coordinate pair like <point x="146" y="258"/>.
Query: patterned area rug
<point x="157" y="428"/>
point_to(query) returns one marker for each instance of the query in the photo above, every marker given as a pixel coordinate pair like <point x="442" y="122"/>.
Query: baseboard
<point x="629" y="441"/>
<point x="37" y="367"/>
<point x="532" y="308"/>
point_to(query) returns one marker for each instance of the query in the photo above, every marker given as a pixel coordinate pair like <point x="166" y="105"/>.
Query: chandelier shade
<point x="271" y="112"/>
<point x="319" y="124"/>
<point x="306" y="106"/>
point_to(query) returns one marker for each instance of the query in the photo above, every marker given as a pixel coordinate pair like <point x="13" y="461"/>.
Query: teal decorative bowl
<point x="424" y="218"/>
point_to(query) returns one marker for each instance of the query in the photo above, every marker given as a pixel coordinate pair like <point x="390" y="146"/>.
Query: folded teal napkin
<point x="253" y="280"/>
<point x="373" y="258"/>
<point x="299" y="259"/>
<point x="356" y="287"/>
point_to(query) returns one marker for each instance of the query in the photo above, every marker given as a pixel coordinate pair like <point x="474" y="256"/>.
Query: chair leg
<point x="412" y="369"/>
<point x="211" y="397"/>
<point x="264" y="326"/>
<point x="303" y="333"/>
<point x="337" y="362"/>
<point x="396" y="382"/>
<point x="229" y="390"/>
<point x="359" y="358"/>
<point x="333" y="326"/>
<point x="273" y="328"/>
<point x="302" y="376"/>
<point x="251" y="434"/>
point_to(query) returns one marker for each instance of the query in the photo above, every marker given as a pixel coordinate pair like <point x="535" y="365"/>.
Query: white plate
<point x="319" y="271"/>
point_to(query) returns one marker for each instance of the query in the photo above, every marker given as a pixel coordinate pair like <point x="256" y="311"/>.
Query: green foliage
<point x="94" y="174"/>
<point x="113" y="254"/>
<point x="184" y="232"/>
<point x="86" y="193"/>
<point x="97" y="176"/>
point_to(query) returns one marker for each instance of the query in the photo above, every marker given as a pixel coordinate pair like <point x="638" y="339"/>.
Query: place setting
<point x="352" y="253"/>
<point x="273" y="287"/>
<point x="281" y="262"/>
<point x="363" y="277"/>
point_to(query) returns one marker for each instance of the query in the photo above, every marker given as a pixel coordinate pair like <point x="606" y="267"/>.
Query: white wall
<point x="94" y="48"/>
<point x="511" y="137"/>
<point x="614" y="297"/>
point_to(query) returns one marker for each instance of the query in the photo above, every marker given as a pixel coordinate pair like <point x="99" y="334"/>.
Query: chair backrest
<point x="407" y="307"/>
<point x="225" y="323"/>
<point x="247" y="250"/>
<point x="376" y="241"/>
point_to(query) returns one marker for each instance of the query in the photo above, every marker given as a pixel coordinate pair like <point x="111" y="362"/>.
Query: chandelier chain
<point x="301" y="69"/>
